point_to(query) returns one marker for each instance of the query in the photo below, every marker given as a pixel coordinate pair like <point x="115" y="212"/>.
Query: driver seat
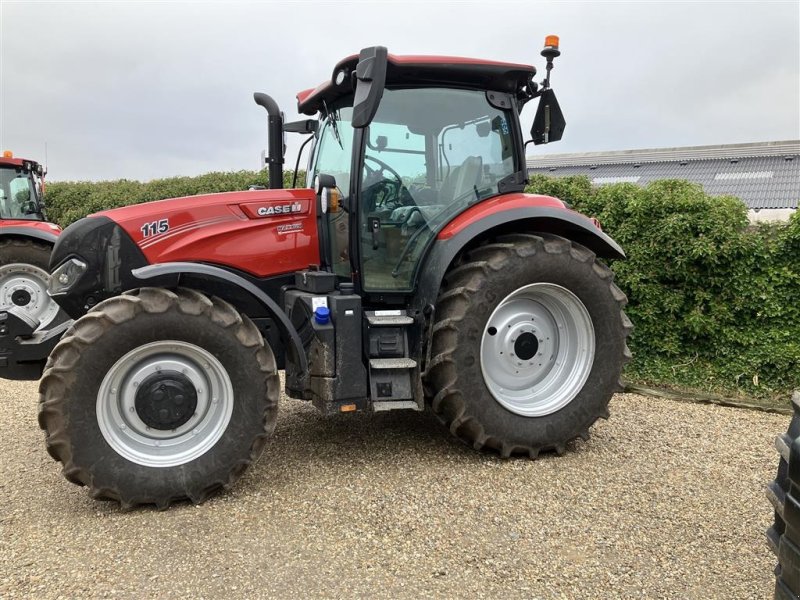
<point x="462" y="179"/>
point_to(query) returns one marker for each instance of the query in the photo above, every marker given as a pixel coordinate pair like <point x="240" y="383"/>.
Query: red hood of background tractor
<point x="261" y="232"/>
<point x="50" y="228"/>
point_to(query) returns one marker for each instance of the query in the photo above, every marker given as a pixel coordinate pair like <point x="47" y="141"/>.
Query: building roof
<point x="765" y="175"/>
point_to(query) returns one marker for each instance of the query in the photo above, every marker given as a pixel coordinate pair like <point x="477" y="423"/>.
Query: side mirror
<point x="549" y="123"/>
<point x="370" y="78"/>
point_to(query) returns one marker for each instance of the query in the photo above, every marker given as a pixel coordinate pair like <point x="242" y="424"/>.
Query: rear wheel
<point x="528" y="344"/>
<point x="24" y="278"/>
<point x="157" y="396"/>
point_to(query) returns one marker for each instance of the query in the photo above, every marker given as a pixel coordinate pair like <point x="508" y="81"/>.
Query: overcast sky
<point x="141" y="90"/>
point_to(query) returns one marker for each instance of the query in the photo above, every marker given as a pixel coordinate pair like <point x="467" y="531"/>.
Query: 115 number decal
<point x="154" y="228"/>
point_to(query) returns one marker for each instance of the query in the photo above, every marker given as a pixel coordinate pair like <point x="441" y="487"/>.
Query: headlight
<point x="65" y="276"/>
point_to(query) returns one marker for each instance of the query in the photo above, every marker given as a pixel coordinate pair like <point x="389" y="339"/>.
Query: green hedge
<point x="715" y="301"/>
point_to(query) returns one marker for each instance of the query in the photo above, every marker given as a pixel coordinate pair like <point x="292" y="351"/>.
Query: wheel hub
<point x="166" y="400"/>
<point x="537" y="349"/>
<point x="20" y="297"/>
<point x="526" y="345"/>
<point x="165" y="403"/>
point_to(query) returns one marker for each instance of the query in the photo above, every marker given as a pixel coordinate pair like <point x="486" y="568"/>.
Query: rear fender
<point x="453" y="239"/>
<point x="171" y="273"/>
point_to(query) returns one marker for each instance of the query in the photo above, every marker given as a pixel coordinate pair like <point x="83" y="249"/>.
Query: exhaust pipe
<point x="274" y="139"/>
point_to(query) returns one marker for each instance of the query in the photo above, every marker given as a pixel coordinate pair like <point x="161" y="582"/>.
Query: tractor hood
<point x="259" y="233"/>
<point x="262" y="232"/>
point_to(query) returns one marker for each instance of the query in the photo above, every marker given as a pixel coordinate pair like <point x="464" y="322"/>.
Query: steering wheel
<point x="383" y="167"/>
<point x="393" y="198"/>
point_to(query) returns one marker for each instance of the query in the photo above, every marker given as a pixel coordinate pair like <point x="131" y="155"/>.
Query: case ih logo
<point x="280" y="209"/>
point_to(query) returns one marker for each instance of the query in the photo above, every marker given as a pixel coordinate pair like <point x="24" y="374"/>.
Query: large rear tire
<point x="157" y="396"/>
<point x="783" y="536"/>
<point x="24" y="278"/>
<point x="528" y="344"/>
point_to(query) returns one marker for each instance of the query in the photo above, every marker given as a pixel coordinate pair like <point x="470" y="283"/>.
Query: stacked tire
<point x="784" y="493"/>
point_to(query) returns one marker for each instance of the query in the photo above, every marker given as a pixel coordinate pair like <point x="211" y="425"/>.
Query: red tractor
<point x="26" y="240"/>
<point x="414" y="273"/>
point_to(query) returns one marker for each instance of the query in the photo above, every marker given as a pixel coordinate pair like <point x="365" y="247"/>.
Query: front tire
<point x="528" y="344"/>
<point x="157" y="396"/>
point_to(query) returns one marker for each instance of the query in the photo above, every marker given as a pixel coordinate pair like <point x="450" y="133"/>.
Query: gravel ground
<point x="665" y="501"/>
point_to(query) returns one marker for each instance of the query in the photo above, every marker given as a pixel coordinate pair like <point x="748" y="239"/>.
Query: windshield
<point x="18" y="195"/>
<point x="333" y="154"/>
<point x="334" y="149"/>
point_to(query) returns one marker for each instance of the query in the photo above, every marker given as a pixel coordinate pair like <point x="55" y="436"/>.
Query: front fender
<point x="42" y="232"/>
<point x="173" y="271"/>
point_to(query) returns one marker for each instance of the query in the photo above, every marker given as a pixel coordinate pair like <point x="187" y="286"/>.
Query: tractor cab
<point x="406" y="143"/>
<point x="21" y="183"/>
<point x="428" y="154"/>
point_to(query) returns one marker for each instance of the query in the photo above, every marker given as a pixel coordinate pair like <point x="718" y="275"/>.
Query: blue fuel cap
<point x="322" y="315"/>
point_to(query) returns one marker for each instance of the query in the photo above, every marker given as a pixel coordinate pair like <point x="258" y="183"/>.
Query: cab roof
<point x="24" y="163"/>
<point x="416" y="70"/>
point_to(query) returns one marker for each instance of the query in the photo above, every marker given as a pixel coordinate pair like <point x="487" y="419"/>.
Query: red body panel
<point x="50" y="228"/>
<point x="13" y="162"/>
<point x="261" y="232"/>
<point x="494" y="205"/>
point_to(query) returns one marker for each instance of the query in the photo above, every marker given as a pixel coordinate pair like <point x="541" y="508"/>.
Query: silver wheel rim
<point x="537" y="349"/>
<point x="30" y="281"/>
<point x="130" y="436"/>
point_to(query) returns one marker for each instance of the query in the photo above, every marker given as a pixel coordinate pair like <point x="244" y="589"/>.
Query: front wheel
<point x="24" y="279"/>
<point x="528" y="344"/>
<point x="156" y="396"/>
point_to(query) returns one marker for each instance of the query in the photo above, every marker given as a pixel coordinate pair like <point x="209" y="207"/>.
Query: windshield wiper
<point x="333" y="117"/>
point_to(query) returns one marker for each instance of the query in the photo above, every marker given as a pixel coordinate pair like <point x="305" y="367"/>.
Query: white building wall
<point x="769" y="215"/>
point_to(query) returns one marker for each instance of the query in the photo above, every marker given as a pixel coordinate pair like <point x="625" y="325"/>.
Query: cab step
<point x="394" y="378"/>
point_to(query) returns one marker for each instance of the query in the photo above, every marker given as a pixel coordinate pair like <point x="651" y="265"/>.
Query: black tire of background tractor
<point x="78" y="364"/>
<point x="473" y="287"/>
<point x="29" y="252"/>
<point x="784" y="494"/>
